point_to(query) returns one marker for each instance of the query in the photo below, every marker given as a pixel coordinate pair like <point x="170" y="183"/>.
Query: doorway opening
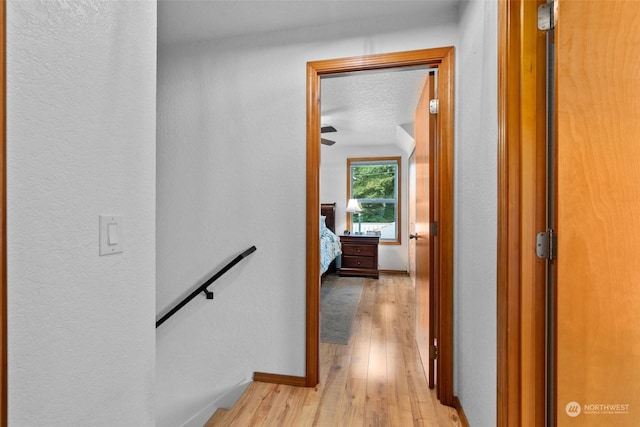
<point x="443" y="60"/>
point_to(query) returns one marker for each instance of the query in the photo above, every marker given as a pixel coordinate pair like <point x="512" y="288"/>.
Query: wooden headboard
<point x="329" y="210"/>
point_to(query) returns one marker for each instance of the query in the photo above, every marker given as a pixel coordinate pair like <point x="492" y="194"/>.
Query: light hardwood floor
<point x="375" y="380"/>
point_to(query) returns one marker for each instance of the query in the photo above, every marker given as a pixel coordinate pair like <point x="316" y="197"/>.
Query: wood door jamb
<point x="520" y="214"/>
<point x="443" y="58"/>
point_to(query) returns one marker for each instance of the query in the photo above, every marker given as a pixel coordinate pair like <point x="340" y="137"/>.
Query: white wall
<point x="333" y="188"/>
<point x="80" y="142"/>
<point x="476" y="213"/>
<point x="231" y="173"/>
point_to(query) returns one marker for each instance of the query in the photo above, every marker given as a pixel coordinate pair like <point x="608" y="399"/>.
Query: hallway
<point x="376" y="379"/>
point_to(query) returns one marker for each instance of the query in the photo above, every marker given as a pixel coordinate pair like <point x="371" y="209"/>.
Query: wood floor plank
<point x="394" y="364"/>
<point x="280" y="411"/>
<point x="420" y="397"/>
<point x="395" y="323"/>
<point x="217" y="418"/>
<point x="376" y="404"/>
<point x="362" y="334"/>
<point x="376" y="379"/>
<point x="295" y="404"/>
<point x="446" y="415"/>
<point x="333" y="391"/>
<point x="351" y="411"/>
<point x="310" y="406"/>
<point x="400" y="413"/>
<point x="248" y="404"/>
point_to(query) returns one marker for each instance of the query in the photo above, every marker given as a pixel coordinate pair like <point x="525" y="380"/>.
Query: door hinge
<point x="433" y="351"/>
<point x="547" y="245"/>
<point x="434" y="106"/>
<point x="546" y="20"/>
<point x="433" y="229"/>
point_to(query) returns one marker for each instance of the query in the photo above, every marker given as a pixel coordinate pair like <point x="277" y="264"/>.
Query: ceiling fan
<point x="327" y="129"/>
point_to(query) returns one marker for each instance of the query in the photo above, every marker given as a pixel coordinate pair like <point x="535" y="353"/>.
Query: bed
<point x="329" y="242"/>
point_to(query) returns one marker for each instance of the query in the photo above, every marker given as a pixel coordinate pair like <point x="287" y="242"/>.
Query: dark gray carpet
<point x="339" y="299"/>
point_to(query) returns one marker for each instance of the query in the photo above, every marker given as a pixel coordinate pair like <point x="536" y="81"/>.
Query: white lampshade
<point x="353" y="206"/>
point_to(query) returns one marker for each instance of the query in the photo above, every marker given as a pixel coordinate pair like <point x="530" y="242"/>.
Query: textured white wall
<point x="81" y="142"/>
<point x="333" y="188"/>
<point x="476" y="212"/>
<point x="231" y="173"/>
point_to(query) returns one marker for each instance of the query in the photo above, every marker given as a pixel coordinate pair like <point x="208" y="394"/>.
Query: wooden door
<point x="412" y="217"/>
<point x="426" y="274"/>
<point x="598" y="266"/>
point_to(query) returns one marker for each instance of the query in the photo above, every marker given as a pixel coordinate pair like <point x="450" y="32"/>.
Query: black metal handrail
<point x="205" y="285"/>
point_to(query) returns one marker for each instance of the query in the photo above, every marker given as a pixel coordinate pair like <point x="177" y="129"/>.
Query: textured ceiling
<point x="367" y="108"/>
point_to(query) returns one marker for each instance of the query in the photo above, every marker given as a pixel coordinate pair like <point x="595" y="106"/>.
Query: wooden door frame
<point x="443" y="59"/>
<point x="521" y="214"/>
<point x="411" y="190"/>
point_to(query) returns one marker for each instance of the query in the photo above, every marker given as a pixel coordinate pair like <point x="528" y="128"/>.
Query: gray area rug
<point x="339" y="299"/>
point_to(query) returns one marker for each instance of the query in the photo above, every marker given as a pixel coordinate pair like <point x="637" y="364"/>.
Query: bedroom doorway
<point x="442" y="59"/>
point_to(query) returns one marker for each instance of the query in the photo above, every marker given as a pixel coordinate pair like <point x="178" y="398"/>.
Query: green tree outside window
<point x="374" y="183"/>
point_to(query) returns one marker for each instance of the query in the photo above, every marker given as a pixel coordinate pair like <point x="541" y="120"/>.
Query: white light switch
<point x="111" y="233"/>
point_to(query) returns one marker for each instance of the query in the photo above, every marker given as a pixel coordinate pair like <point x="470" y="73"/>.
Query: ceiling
<point x="182" y="21"/>
<point x="366" y="108"/>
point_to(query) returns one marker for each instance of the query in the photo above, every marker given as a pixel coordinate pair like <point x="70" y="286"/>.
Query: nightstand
<point x="359" y="255"/>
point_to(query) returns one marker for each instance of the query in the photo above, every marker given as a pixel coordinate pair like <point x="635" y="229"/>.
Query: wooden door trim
<point x="443" y="59"/>
<point x="520" y="276"/>
<point x="445" y="192"/>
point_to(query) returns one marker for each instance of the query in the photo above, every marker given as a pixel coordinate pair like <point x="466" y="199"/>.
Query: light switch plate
<point x="111" y="224"/>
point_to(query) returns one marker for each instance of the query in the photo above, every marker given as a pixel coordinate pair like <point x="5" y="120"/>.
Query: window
<point x="374" y="183"/>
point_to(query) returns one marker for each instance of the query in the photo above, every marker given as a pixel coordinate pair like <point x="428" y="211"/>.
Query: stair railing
<point x="205" y="285"/>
